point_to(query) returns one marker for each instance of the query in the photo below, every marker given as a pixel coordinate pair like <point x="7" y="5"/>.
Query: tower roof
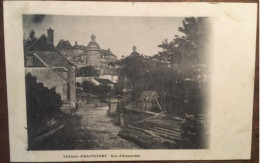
<point x="106" y="52"/>
<point x="93" y="45"/>
<point x="134" y="53"/>
<point x="63" y="44"/>
<point x="76" y="46"/>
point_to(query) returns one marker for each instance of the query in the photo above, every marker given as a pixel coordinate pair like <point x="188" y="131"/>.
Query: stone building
<point x="45" y="62"/>
<point x="77" y="49"/>
<point x="93" y="53"/>
<point x="107" y="56"/>
<point x="64" y="45"/>
<point x="102" y="72"/>
<point x="90" y="55"/>
<point x="108" y="72"/>
<point x="134" y="53"/>
<point x="71" y="53"/>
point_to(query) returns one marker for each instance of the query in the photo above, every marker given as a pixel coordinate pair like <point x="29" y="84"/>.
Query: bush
<point x="102" y="91"/>
<point x="42" y="103"/>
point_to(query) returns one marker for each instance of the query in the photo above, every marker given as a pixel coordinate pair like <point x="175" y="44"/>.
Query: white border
<point x="233" y="59"/>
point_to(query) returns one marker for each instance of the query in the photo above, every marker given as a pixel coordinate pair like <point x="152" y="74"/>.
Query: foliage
<point x="102" y="90"/>
<point x="78" y="84"/>
<point x="119" y="88"/>
<point x="42" y="44"/>
<point x="135" y="68"/>
<point x="42" y="103"/>
<point x="189" y="48"/>
<point x="29" y="40"/>
<point x="182" y="59"/>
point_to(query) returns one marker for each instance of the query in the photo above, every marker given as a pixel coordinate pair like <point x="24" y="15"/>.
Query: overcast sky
<point x="119" y="34"/>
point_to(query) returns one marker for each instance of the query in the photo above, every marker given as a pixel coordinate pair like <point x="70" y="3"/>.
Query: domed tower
<point x="93" y="53"/>
<point x="134" y="53"/>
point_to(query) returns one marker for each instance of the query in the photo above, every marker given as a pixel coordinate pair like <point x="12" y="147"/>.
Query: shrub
<point x="42" y="103"/>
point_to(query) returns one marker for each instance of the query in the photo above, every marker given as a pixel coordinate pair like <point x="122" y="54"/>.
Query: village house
<point x="45" y="62"/>
<point x="77" y="49"/>
<point x="106" y="82"/>
<point x="86" y="73"/>
<point x="108" y="72"/>
<point x="71" y="53"/>
<point x="90" y="73"/>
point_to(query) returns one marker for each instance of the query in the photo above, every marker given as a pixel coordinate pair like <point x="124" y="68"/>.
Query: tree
<point x="167" y="71"/>
<point x="192" y="49"/>
<point x="32" y="35"/>
<point x="187" y="52"/>
<point x="135" y="67"/>
<point x="119" y="88"/>
<point x="29" y="40"/>
<point x="192" y="43"/>
<point x="42" y="103"/>
<point x="195" y="32"/>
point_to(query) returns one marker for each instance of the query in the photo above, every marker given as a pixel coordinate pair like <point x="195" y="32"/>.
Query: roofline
<point x="35" y="42"/>
<point x="54" y="48"/>
<point x="103" y="79"/>
<point x="50" y="70"/>
<point x="64" y="57"/>
<point x="49" y="66"/>
<point x="92" y="50"/>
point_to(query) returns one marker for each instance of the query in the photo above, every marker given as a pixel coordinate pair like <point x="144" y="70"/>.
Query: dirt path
<point x="97" y="131"/>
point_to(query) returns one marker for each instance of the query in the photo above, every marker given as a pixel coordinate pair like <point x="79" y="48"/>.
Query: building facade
<point x="90" y="55"/>
<point x="45" y="62"/>
<point x="93" y="53"/>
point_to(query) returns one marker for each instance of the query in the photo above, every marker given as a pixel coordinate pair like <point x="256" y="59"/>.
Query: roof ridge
<point x="55" y="49"/>
<point x="48" y="67"/>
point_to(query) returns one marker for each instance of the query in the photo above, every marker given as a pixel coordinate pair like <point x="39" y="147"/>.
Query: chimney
<point x="50" y="35"/>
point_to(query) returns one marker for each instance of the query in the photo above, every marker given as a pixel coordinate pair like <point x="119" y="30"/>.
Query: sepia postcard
<point x="117" y="81"/>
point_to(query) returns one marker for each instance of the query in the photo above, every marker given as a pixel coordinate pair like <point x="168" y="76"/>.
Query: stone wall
<point x="93" y="58"/>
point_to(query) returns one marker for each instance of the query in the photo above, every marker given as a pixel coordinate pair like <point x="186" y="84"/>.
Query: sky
<point x="119" y="34"/>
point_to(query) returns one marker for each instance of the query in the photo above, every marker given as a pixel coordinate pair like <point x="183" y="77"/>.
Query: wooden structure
<point x="148" y="101"/>
<point x="159" y="131"/>
<point x="38" y="136"/>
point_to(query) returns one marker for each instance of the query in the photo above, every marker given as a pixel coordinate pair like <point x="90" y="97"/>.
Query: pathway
<point x="97" y="131"/>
